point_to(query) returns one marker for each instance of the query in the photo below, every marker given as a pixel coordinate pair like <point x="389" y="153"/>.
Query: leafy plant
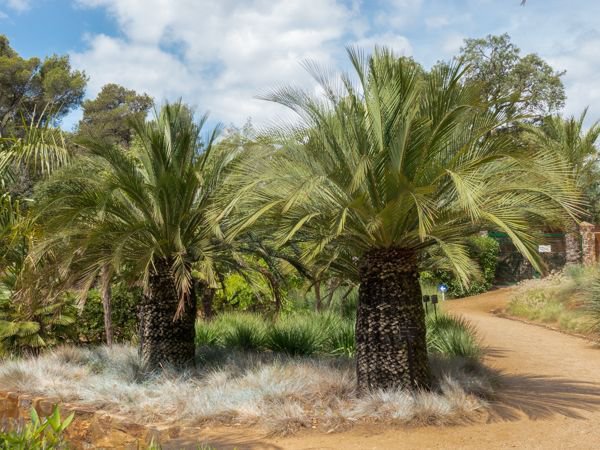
<point x="451" y="336"/>
<point x="295" y="335"/>
<point x="125" y="301"/>
<point x="29" y="325"/>
<point x="484" y="250"/>
<point x="244" y="332"/>
<point x="38" y="434"/>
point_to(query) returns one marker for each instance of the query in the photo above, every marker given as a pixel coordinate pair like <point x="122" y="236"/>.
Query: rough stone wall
<point x="573" y="247"/>
<point x="91" y="428"/>
<point x="588" y="243"/>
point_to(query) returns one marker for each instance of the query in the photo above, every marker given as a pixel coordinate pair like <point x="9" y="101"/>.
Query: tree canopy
<point x="515" y="84"/>
<point x="32" y="87"/>
<point x="109" y="116"/>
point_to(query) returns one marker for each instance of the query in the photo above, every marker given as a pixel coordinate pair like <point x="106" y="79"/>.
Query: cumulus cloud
<point x="218" y="55"/>
<point x="19" y="5"/>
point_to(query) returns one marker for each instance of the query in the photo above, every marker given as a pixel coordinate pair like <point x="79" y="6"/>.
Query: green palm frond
<point x="399" y="158"/>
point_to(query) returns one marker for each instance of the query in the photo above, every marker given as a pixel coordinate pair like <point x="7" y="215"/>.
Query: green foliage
<point x="419" y="170"/>
<point x="451" y="336"/>
<point x="108" y="117"/>
<point x="564" y="299"/>
<point x="308" y="333"/>
<point x="296" y="335"/>
<point x="484" y="251"/>
<point x="30" y="326"/>
<point x="512" y="83"/>
<point x="593" y="305"/>
<point x="148" y="204"/>
<point x="31" y="86"/>
<point x="340" y="339"/>
<point x="571" y="139"/>
<point x="46" y="434"/>
<point x="90" y="323"/>
<point x="243" y="331"/>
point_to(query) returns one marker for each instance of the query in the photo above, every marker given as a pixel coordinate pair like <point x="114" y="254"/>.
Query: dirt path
<point x="551" y="398"/>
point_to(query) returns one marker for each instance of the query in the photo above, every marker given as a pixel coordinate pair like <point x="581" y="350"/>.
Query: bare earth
<point x="550" y="399"/>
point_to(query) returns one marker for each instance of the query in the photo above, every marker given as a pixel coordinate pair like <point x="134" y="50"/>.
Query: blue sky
<point x="218" y="55"/>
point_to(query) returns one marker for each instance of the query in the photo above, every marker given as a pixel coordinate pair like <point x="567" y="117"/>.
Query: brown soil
<point x="550" y="397"/>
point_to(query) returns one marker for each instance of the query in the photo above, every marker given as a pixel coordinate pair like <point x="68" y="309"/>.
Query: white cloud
<point x="452" y="43"/>
<point x="436" y="22"/>
<point x="18" y="5"/>
<point x="396" y="42"/>
<point x="217" y="55"/>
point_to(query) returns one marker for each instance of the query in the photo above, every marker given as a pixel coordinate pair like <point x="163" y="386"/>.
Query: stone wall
<point x="91" y="428"/>
<point x="588" y="243"/>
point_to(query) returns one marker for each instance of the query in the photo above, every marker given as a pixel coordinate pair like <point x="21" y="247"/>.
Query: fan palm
<point x="385" y="172"/>
<point x="569" y="139"/>
<point x="144" y="211"/>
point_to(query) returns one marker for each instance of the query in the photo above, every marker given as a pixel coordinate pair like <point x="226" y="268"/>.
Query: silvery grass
<point x="281" y="394"/>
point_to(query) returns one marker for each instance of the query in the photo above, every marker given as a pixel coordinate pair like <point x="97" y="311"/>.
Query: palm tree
<point x="568" y="138"/>
<point x="383" y="172"/>
<point x="145" y="211"/>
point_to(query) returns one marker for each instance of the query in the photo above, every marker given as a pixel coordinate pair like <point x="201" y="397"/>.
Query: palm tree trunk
<point x="106" y="294"/>
<point x="166" y="338"/>
<point x="391" y="349"/>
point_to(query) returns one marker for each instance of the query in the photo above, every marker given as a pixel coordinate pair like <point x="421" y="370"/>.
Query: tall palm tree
<point x="569" y="139"/>
<point x="383" y="171"/>
<point x="146" y="211"/>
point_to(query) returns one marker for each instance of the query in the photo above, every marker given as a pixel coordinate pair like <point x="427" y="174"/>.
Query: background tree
<point x="108" y="117"/>
<point x="514" y="84"/>
<point x="31" y="87"/>
<point x="387" y="170"/>
<point x="569" y="138"/>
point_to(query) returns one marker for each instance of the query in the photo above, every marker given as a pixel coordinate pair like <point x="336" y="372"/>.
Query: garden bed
<point x="278" y="393"/>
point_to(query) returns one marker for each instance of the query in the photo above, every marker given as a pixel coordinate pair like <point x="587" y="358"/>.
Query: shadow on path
<point x="539" y="397"/>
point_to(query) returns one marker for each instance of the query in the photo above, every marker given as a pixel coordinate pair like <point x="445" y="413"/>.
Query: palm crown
<point x="142" y="207"/>
<point x="403" y="159"/>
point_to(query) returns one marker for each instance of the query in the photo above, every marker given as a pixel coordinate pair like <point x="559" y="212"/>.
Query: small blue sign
<point x="443" y="288"/>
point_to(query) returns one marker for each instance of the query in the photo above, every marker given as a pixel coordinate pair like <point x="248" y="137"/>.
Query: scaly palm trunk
<point x="164" y="339"/>
<point x="391" y="348"/>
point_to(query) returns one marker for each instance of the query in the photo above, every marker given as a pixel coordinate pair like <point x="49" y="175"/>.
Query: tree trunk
<point x="318" y="300"/>
<point x="165" y="338"/>
<point x="106" y="294"/>
<point x="391" y="348"/>
<point x="207" y="295"/>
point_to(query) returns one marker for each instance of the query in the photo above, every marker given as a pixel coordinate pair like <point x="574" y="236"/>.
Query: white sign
<point x="545" y="248"/>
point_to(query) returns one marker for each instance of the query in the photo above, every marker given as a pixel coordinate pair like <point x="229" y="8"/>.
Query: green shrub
<point x="124" y="305"/>
<point x="484" y="250"/>
<point x="244" y="332"/>
<point x="593" y="305"/>
<point x="296" y="335"/>
<point x="46" y="434"/>
<point x="307" y="333"/>
<point x="341" y="340"/>
<point x="31" y="326"/>
<point x="208" y="333"/>
<point x="451" y="336"/>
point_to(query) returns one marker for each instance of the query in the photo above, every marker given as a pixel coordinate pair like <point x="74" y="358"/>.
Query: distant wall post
<point x="588" y="243"/>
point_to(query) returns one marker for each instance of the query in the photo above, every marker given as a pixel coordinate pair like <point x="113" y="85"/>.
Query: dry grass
<point x="281" y="394"/>
<point x="558" y="299"/>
